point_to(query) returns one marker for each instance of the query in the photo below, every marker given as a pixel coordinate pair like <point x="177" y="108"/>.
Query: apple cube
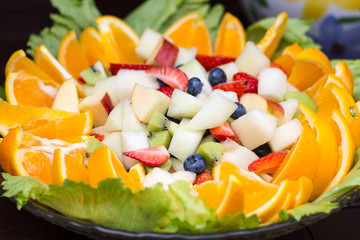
<point x="100" y="105"/>
<point x="114" y="121"/>
<point x="130" y="121"/>
<point x="147" y="44"/>
<point x="113" y="141"/>
<point x="185" y="55"/>
<point x="133" y="140"/>
<point x="255" y="128"/>
<point x="230" y="69"/>
<point x="164" y="54"/>
<point x="67" y="98"/>
<point x="286" y="135"/>
<point x="272" y="83"/>
<point x="251" y="60"/>
<point x="185" y="142"/>
<point x="145" y="101"/>
<point x="183" y="105"/>
<point x="290" y="107"/>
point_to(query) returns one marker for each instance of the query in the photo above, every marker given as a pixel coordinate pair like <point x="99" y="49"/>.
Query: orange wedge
<point x="24" y="154"/>
<point x="310" y="65"/>
<point x="287" y="59"/>
<point x="49" y="64"/>
<point x="325" y="89"/>
<point x="305" y="190"/>
<point x="58" y="167"/>
<point x="72" y="56"/>
<point x="91" y="41"/>
<point x="191" y="31"/>
<point x="137" y="172"/>
<point x="272" y="37"/>
<point x="119" y="39"/>
<point x="103" y="163"/>
<point x="79" y="124"/>
<point x="230" y="38"/>
<point x="27" y="116"/>
<point x="342" y="71"/>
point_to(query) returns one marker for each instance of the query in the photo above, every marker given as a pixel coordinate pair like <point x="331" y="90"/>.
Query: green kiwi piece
<point x="94" y="73"/>
<point x="159" y="122"/>
<point x="212" y="152"/>
<point x="159" y="138"/>
<point x="93" y="144"/>
<point x="303" y="98"/>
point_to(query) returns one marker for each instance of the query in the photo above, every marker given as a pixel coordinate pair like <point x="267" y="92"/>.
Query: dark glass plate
<point x="266" y="232"/>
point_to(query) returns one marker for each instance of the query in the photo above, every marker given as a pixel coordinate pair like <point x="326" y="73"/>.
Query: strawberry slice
<point x="168" y="91"/>
<point x="153" y="156"/>
<point x="209" y="62"/>
<point x="274" y="65"/>
<point x="223" y="132"/>
<point x="205" y="176"/>
<point x="249" y="81"/>
<point x="115" y="67"/>
<point x="236" y="86"/>
<point x="173" y="77"/>
<point x="99" y="136"/>
<point x="267" y="164"/>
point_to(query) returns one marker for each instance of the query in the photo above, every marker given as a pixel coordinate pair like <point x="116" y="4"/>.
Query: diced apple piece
<point x="195" y="69"/>
<point x="114" y="121"/>
<point x="184" y="141"/>
<point x="238" y="155"/>
<point x="67" y="98"/>
<point x="145" y="101"/>
<point x="183" y="105"/>
<point x="213" y="114"/>
<point x="147" y="44"/>
<point x="251" y="60"/>
<point x="133" y="140"/>
<point x="290" y="107"/>
<point x="113" y="141"/>
<point x="164" y="54"/>
<point x="272" y="83"/>
<point x="100" y="105"/>
<point x="253" y="101"/>
<point x="285" y="135"/>
<point x="255" y="128"/>
<point x="230" y="69"/>
<point x="130" y="121"/>
<point x="185" y="55"/>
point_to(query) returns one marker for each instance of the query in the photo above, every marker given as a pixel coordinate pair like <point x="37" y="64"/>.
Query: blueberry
<point x="195" y="163"/>
<point x="216" y="76"/>
<point x="194" y="86"/>
<point x="262" y="150"/>
<point x="240" y="111"/>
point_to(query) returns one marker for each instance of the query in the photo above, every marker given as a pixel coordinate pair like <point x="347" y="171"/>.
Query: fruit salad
<point x="168" y="127"/>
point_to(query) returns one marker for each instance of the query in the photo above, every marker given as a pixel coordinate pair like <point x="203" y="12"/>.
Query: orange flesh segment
<point x="287" y="59"/>
<point x="342" y="71"/>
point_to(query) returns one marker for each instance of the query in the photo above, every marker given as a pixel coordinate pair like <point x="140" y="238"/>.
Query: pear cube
<point x="66" y="98"/>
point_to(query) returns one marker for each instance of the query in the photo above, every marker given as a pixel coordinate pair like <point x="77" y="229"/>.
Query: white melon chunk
<point x="232" y="96"/>
<point x="184" y="142"/>
<point x="251" y="60"/>
<point x="291" y="88"/>
<point x="272" y="83"/>
<point x="130" y="121"/>
<point x="133" y="141"/>
<point x="230" y="69"/>
<point x="213" y="114"/>
<point x="184" y="176"/>
<point x="67" y="98"/>
<point x="113" y="141"/>
<point x="285" y="135"/>
<point x="183" y="105"/>
<point x="148" y="41"/>
<point x="290" y="107"/>
<point x="185" y="55"/>
<point x="114" y="121"/>
<point x="255" y="128"/>
<point x="177" y="164"/>
<point x="158" y="175"/>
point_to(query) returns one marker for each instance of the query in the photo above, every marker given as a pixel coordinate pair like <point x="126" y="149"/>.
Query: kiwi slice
<point x="166" y="166"/>
<point x="212" y="152"/>
<point x="159" y="122"/>
<point x="93" y="144"/>
<point x="303" y="98"/>
<point x="159" y="138"/>
<point x="94" y="73"/>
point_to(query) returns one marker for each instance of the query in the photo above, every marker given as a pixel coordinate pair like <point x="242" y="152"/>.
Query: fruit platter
<point x="185" y="126"/>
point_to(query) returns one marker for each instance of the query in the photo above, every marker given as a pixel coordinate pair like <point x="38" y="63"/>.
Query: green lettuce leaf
<point x="295" y="32"/>
<point x="73" y="15"/>
<point x="312" y="208"/>
<point x="2" y="93"/>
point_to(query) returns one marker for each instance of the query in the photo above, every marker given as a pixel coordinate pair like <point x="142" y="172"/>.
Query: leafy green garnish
<point x="2" y="93"/>
<point x="295" y="32"/>
<point x="73" y="15"/>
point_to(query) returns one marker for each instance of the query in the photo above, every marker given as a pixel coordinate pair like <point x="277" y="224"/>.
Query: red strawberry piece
<point x="209" y="62"/>
<point x="173" y="77"/>
<point x="274" y="65"/>
<point x="153" y="156"/>
<point x="115" y="67"/>
<point x="99" y="136"/>
<point x="267" y="164"/>
<point x="205" y="176"/>
<point x="166" y="90"/>
<point x="223" y="132"/>
<point x="238" y="87"/>
<point x="249" y="81"/>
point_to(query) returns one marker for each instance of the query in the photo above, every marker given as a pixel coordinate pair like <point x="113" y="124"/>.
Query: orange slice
<point x="191" y="31"/>
<point x="305" y="190"/>
<point x="310" y="65"/>
<point x="79" y="124"/>
<point x="22" y="87"/>
<point x="71" y="55"/>
<point x="137" y="172"/>
<point x="272" y="37"/>
<point x="230" y="38"/>
<point x="50" y="65"/>
<point x="23" y="154"/>
<point x="325" y="89"/>
<point x="119" y="40"/>
<point x="58" y="167"/>
<point x="287" y="59"/>
<point x="342" y="71"/>
<point x="26" y="116"/>
<point x="91" y="41"/>
<point x="103" y="163"/>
